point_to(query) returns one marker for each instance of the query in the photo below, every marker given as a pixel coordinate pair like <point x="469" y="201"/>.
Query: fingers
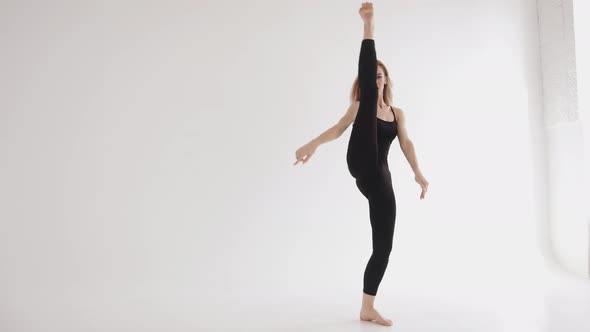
<point x="303" y="160"/>
<point x="366" y="5"/>
<point x="424" y="190"/>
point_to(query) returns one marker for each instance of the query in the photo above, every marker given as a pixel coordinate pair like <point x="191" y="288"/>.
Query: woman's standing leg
<point x="382" y="211"/>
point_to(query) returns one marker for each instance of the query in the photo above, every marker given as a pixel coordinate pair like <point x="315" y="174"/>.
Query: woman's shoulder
<point x="397" y="111"/>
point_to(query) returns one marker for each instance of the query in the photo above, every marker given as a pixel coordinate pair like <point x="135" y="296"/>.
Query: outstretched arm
<point x="305" y="152"/>
<point x="330" y="134"/>
<point x="338" y="129"/>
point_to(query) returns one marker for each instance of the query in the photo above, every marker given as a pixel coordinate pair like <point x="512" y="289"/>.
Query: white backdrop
<point x="148" y="149"/>
<point x="582" y="37"/>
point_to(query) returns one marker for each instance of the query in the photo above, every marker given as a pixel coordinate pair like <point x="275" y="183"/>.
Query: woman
<point x="375" y="126"/>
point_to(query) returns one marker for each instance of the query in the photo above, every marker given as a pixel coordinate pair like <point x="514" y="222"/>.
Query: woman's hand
<point x="366" y="12"/>
<point x="423" y="183"/>
<point x="305" y="152"/>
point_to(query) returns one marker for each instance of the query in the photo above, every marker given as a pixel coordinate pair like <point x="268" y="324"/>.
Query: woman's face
<point x="380" y="79"/>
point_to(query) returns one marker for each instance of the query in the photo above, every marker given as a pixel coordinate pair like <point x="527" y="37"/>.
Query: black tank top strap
<point x="392" y="112"/>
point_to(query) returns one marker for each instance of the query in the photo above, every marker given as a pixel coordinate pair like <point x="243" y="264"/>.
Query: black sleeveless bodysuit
<point x="368" y="149"/>
<point x="386" y="133"/>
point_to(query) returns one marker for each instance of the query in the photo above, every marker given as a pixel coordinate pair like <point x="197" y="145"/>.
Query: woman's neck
<point x="380" y="101"/>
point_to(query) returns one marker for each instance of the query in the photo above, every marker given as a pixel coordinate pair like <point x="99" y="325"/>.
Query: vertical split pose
<point x="368" y="148"/>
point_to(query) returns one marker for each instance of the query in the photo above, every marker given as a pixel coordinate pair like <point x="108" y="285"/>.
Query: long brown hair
<point x="387" y="95"/>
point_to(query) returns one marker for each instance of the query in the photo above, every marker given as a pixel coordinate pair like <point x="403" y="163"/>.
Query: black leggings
<point x="373" y="178"/>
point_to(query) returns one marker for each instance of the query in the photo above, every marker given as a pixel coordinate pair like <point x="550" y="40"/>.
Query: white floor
<point x="557" y="302"/>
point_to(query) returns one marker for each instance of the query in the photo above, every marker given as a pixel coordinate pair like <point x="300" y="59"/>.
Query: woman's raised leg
<point x="362" y="147"/>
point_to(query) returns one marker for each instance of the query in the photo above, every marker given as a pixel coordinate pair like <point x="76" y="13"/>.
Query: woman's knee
<point x="383" y="250"/>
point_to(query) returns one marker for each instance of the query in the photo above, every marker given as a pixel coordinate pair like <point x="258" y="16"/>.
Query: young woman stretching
<point x="368" y="148"/>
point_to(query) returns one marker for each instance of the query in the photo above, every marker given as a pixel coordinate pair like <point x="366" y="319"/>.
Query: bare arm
<point x="305" y="152"/>
<point x="405" y="142"/>
<point x="329" y="135"/>
<point x="408" y="148"/>
<point x="338" y="129"/>
<point x="410" y="154"/>
<point x="368" y="30"/>
<point x="366" y="12"/>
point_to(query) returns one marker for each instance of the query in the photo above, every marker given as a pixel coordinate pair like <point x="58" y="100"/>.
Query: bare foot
<point x="374" y="315"/>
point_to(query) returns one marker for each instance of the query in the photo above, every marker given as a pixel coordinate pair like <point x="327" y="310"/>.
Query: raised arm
<point x="369" y="29"/>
